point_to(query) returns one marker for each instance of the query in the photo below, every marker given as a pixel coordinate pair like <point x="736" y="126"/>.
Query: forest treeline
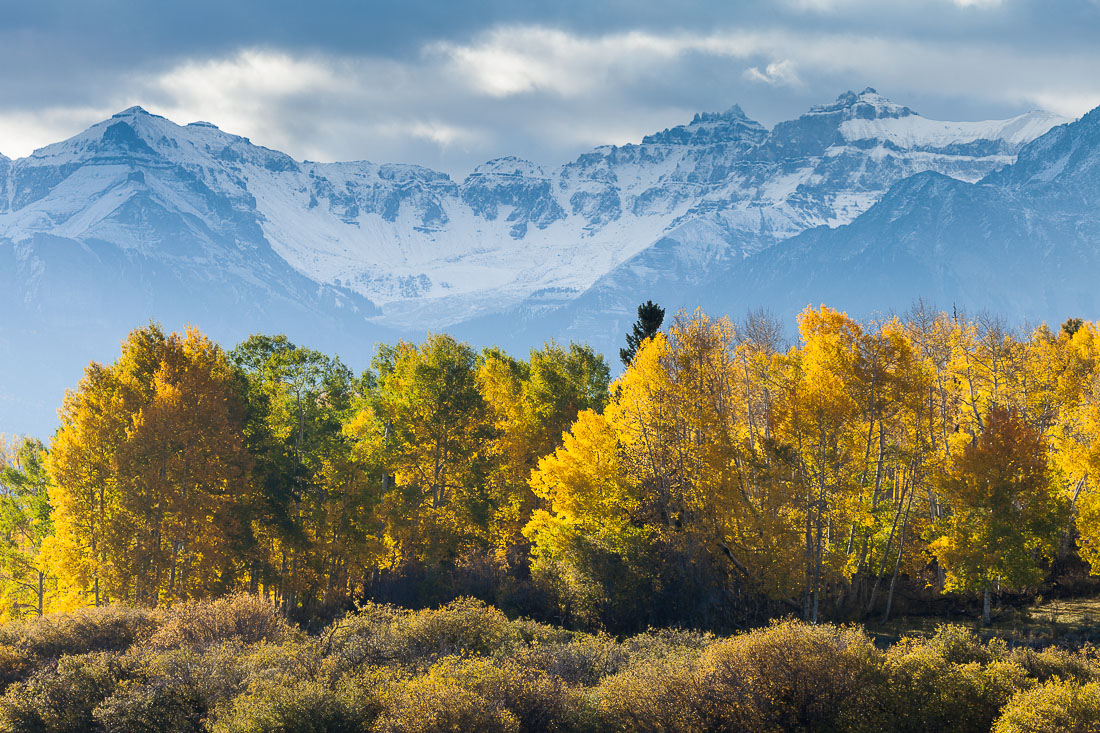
<point x="723" y="478"/>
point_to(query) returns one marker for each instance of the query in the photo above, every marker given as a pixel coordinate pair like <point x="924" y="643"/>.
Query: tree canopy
<point x="723" y="477"/>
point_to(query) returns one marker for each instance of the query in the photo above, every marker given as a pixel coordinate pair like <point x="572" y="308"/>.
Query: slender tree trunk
<point x="819" y="558"/>
<point x="986" y="616"/>
<point x="809" y="557"/>
<point x="897" y="563"/>
<point x="172" y="571"/>
<point x="95" y="549"/>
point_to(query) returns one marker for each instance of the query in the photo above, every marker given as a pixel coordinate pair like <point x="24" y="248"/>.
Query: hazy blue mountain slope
<point x="1024" y="242"/>
<point x="138" y="218"/>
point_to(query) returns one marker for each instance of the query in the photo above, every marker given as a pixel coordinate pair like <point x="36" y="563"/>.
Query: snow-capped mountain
<point x="1024" y="242"/>
<point x="138" y="217"/>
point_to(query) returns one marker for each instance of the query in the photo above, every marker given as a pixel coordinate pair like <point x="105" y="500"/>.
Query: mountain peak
<point x="134" y="111"/>
<point x="707" y="128"/>
<point x="1066" y="153"/>
<point x="733" y="113"/>
<point x="508" y="166"/>
<point x="867" y="105"/>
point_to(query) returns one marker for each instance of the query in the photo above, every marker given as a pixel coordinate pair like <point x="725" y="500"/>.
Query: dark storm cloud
<point x="450" y="84"/>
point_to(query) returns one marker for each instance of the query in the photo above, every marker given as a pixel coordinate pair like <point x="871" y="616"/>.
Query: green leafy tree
<point x="437" y="433"/>
<point x="25" y="521"/>
<point x="650" y="318"/>
<point x="299" y="402"/>
<point x="532" y="405"/>
<point x="1072" y="326"/>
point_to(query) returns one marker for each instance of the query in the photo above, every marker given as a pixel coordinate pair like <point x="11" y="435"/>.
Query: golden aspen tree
<point x="1005" y="514"/>
<point x="667" y="470"/>
<point x="148" y="463"/>
<point x="515" y="447"/>
<point x="185" y="472"/>
<point x="1076" y="436"/>
<point x="830" y="446"/>
<point x="82" y="468"/>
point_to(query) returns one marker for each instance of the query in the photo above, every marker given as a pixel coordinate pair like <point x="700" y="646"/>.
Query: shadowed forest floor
<point x="1056" y="621"/>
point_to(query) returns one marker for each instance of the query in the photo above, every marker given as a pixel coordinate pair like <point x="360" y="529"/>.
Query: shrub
<point x="1057" y="705"/>
<point x="791" y="676"/>
<point x="659" y="643"/>
<point x="179" y="688"/>
<point x="62" y="697"/>
<point x="299" y="706"/>
<point x="108" y="628"/>
<point x="929" y="691"/>
<point x="416" y="639"/>
<point x="958" y="645"/>
<point x="165" y="705"/>
<point x="464" y="627"/>
<point x="582" y="660"/>
<point x="362" y="638"/>
<point x="1080" y="666"/>
<point x="538" y="701"/>
<point x="652" y="696"/>
<point x="429" y="704"/>
<point x="242" y="617"/>
<point x="225" y="670"/>
<point x="15" y="664"/>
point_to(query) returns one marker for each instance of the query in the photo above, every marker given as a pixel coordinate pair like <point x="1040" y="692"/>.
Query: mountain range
<point x="861" y="203"/>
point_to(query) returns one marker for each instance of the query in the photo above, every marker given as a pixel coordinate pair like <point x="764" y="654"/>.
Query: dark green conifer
<point x="1072" y="326"/>
<point x="650" y="318"/>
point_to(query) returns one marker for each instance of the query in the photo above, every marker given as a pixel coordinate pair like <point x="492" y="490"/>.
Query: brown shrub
<point x="583" y="660"/>
<point x="108" y="628"/>
<point x="165" y="705"/>
<point x="62" y="697"/>
<point x="790" y="676"/>
<point x="658" y="695"/>
<point x="241" y="617"/>
<point x="378" y="635"/>
<point x="179" y="689"/>
<point x="15" y="664"/>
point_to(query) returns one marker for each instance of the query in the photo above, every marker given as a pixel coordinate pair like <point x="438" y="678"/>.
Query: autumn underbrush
<point x="235" y="665"/>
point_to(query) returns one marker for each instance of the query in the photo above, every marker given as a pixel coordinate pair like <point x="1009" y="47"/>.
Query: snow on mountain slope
<point x="431" y="251"/>
<point x="1023" y="242"/>
<point x="819" y="170"/>
<point x="138" y="217"/>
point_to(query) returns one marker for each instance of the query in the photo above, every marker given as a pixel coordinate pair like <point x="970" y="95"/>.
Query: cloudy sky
<point x="451" y="84"/>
